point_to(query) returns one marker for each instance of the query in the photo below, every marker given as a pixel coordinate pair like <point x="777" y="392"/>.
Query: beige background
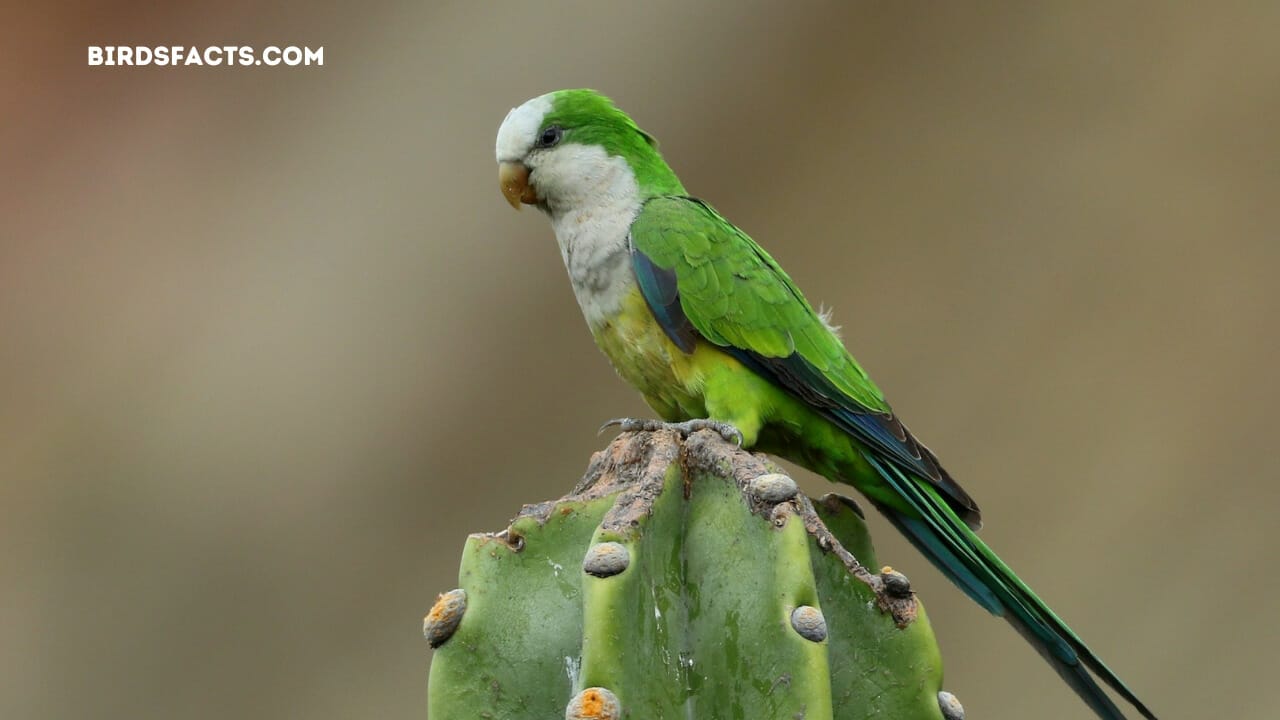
<point x="257" y="323"/>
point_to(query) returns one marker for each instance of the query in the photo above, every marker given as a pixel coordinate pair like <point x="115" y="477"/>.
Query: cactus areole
<point x="672" y="583"/>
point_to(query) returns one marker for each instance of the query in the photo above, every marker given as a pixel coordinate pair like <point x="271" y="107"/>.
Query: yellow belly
<point x="670" y="380"/>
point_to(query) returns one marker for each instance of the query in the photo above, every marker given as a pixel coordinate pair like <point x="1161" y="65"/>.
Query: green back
<point x="735" y="295"/>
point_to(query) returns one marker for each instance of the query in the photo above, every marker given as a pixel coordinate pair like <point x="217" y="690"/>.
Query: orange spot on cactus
<point x="592" y="704"/>
<point x="444" y="608"/>
<point x="444" y="617"/>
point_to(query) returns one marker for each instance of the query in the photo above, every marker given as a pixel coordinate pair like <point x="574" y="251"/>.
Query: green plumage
<point x="589" y="118"/>
<point x="716" y="329"/>
<point x="737" y="296"/>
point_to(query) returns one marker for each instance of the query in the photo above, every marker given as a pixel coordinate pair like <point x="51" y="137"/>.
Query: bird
<point x="715" y="335"/>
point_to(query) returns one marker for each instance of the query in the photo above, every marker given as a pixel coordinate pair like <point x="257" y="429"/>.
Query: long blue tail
<point x="954" y="549"/>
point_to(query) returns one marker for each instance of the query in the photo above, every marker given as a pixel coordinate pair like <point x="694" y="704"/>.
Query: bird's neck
<point x="592" y="234"/>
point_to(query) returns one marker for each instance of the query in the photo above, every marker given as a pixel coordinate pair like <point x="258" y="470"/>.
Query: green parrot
<point x="703" y="322"/>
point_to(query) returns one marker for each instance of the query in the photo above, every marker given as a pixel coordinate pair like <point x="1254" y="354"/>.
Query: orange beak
<point x="513" y="178"/>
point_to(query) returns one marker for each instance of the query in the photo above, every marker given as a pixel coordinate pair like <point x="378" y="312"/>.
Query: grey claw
<point x="610" y="423"/>
<point x="727" y="432"/>
<point x="626" y="424"/>
<point x="733" y="434"/>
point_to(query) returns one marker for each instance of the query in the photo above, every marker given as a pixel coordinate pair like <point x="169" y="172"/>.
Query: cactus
<point x="682" y="578"/>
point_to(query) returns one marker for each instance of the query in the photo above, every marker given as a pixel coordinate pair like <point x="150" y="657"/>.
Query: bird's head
<point x="572" y="148"/>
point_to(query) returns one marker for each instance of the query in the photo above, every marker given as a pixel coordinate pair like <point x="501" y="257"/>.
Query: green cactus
<point x="682" y="579"/>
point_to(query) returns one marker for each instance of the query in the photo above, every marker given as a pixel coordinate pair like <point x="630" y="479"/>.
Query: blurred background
<point x="262" y="327"/>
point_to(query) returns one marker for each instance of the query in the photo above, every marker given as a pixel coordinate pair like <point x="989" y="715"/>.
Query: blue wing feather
<point x="658" y="286"/>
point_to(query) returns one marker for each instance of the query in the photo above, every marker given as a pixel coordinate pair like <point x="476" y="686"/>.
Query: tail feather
<point x="958" y="553"/>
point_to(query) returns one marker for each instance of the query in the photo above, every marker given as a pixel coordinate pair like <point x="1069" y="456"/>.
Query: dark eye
<point x="550" y="136"/>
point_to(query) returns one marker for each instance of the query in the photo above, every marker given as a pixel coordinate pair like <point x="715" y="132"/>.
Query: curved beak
<point x="513" y="178"/>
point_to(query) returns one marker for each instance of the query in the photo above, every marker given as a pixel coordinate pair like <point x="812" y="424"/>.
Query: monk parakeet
<point x="713" y="333"/>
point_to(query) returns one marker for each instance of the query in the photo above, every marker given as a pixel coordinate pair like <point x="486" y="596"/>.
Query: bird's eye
<point x="550" y="136"/>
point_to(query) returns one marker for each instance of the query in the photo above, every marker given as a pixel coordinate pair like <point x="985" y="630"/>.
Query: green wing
<point x="738" y="296"/>
<point x="701" y="274"/>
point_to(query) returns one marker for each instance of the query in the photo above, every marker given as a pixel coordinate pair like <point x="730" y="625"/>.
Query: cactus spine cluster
<point x="682" y="579"/>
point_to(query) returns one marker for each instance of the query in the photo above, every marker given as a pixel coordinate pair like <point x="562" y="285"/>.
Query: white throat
<point x="592" y="199"/>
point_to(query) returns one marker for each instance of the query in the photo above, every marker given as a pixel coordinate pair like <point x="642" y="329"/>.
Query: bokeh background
<point x="262" y="328"/>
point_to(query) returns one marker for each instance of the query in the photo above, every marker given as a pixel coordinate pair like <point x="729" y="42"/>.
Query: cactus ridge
<point x="684" y="579"/>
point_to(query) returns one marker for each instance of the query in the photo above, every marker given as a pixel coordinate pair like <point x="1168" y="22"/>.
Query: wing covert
<point x="729" y="291"/>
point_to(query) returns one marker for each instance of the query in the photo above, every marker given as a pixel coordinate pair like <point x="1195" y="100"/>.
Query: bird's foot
<point x="685" y="429"/>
